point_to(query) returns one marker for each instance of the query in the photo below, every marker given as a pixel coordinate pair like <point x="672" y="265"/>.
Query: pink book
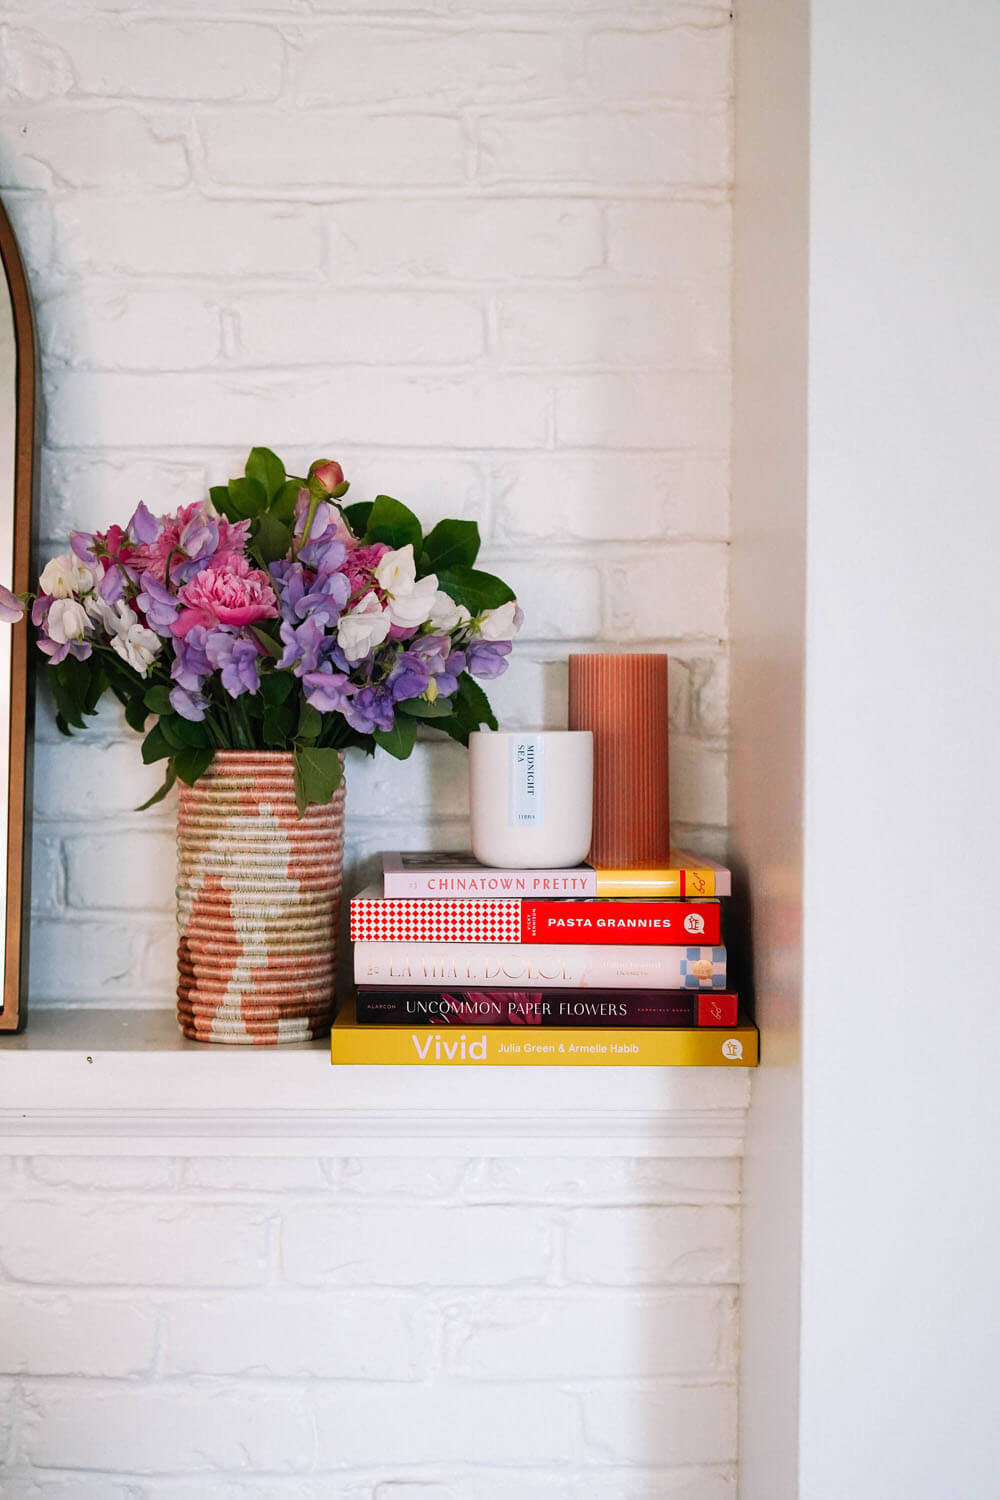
<point x="540" y="965"/>
<point x="425" y="875"/>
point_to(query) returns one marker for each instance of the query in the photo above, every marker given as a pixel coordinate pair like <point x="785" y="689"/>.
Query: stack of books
<point x="455" y="963"/>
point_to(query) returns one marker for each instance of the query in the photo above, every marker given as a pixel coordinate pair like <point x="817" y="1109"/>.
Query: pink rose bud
<point x="328" y="473"/>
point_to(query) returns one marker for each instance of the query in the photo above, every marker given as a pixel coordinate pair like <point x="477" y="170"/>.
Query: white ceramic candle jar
<point x="532" y="796"/>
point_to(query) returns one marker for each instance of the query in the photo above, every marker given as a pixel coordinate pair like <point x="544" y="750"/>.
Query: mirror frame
<point x="18" y="793"/>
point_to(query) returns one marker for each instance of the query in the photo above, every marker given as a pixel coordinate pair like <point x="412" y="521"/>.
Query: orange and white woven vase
<point x="258" y="902"/>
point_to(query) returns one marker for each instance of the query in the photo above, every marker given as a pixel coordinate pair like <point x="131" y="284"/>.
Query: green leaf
<point x="419" y="708"/>
<point x="248" y="497"/>
<point x="474" y="704"/>
<point x="76" y="687"/>
<point x="190" y="764"/>
<point x="278" y="725"/>
<point x="400" y="739"/>
<point x="282" y="507"/>
<point x="219" y="496"/>
<point x="476" y="590"/>
<point x="268" y="639"/>
<point x="310" y="723"/>
<point x="159" y="795"/>
<point x="276" y="687"/>
<point x="318" y="774"/>
<point x="188" y="734"/>
<point x="157" y="699"/>
<point x="135" y="714"/>
<point x="452" y="544"/>
<point x="393" y="523"/>
<point x="97" y="683"/>
<point x="156" y="746"/>
<point x="268" y="470"/>
<point x="357" y="515"/>
<point x="271" y="538"/>
<point x="472" y="709"/>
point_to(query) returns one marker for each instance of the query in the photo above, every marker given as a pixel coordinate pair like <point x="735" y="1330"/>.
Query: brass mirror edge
<point x="21" y="680"/>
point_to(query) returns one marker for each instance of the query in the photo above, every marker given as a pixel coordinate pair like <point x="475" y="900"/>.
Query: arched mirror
<point x="18" y="388"/>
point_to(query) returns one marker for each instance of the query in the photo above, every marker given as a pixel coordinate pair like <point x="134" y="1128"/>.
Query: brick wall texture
<point x="478" y="250"/>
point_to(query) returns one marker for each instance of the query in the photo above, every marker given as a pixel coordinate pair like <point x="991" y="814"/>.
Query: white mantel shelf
<point x="92" y="1081"/>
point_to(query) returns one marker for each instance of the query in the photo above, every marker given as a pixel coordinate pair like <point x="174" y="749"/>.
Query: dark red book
<point x="466" y="1007"/>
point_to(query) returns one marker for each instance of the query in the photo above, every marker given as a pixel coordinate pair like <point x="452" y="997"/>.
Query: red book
<point x="376" y="918"/>
<point x="468" y="1007"/>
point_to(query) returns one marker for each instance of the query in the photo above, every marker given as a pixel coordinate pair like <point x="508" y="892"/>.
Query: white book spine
<point x="541" y="965"/>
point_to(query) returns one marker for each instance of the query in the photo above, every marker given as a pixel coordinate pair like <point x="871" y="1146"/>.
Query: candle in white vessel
<point x="532" y="797"/>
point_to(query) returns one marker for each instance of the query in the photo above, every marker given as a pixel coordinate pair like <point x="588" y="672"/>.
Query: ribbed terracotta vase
<point x="258" y="900"/>
<point x="623" y="701"/>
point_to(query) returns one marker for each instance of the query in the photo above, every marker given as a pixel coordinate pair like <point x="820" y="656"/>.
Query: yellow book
<point x="542" y="1046"/>
<point x="685" y="877"/>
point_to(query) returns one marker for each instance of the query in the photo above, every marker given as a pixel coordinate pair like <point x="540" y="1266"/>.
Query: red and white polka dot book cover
<point x="386" y="919"/>
<point x="374" y="918"/>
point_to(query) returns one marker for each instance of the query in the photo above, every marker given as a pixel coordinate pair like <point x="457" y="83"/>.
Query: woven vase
<point x="258" y="901"/>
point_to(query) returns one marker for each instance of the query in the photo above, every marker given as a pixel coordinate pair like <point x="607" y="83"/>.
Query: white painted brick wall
<point x="479" y="250"/>
<point x="351" y="1329"/>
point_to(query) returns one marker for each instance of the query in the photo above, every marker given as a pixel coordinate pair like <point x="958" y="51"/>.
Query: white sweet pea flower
<point x="409" y="600"/>
<point x="102" y="612"/>
<point x="66" y="621"/>
<point x="446" y="614"/>
<point x="500" y="624"/>
<point x="64" y="576"/>
<point x="138" y="646"/>
<point x="132" y="641"/>
<point x="363" y="629"/>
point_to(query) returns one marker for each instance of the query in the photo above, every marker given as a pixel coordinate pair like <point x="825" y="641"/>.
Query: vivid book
<point x="545" y="1007"/>
<point x="429" y="876"/>
<point x="573" y="1046"/>
<point x="375" y="918"/>
<point x="573" y="966"/>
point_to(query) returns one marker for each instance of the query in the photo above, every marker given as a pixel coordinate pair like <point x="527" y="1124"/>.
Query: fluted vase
<point x="258" y="902"/>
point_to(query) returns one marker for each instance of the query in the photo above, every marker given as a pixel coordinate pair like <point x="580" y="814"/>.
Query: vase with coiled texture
<point x="258" y="903"/>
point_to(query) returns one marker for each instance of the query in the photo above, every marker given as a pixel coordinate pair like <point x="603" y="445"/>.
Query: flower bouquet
<point x="264" y="633"/>
<point x="276" y="618"/>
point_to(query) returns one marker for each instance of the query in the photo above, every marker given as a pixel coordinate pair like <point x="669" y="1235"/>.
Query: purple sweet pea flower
<point x="323" y="606"/>
<point x="447" y="681"/>
<point x="326" y="689"/>
<point x="409" y="678"/>
<point x="322" y="516"/>
<point x="303" y="644"/>
<point x="157" y="603"/>
<point x="371" y="708"/>
<point x="112" y="586"/>
<point x="144" y="527"/>
<point x="326" y="552"/>
<point x="238" y="659"/>
<point x="200" y="536"/>
<point x="487" y="658"/>
<point x="11" y="608"/>
<point x="290" y="584"/>
<point x="189" y="705"/>
<point x="57" y="652"/>
<point x="191" y="664"/>
<point x="82" y="544"/>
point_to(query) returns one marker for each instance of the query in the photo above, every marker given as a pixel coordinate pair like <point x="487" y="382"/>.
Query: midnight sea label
<point x="526" y="782"/>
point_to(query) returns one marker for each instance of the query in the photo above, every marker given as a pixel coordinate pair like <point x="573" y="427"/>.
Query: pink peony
<point x="153" y="557"/>
<point x="229" y="592"/>
<point x="359" y="569"/>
